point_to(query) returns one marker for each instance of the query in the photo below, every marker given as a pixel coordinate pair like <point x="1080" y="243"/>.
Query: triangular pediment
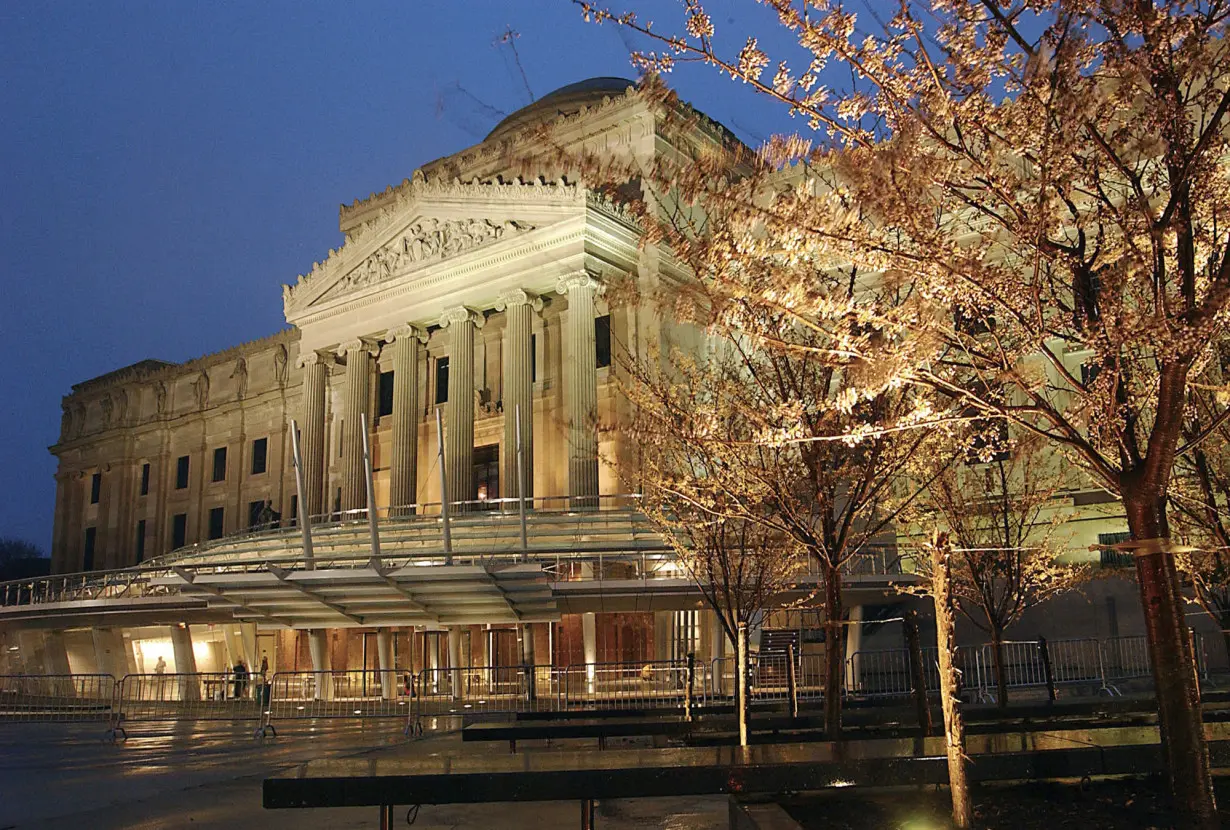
<point x="429" y="223"/>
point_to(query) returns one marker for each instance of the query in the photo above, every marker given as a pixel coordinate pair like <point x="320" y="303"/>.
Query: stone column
<point x="185" y="663"/>
<point x="403" y="463"/>
<point x="384" y="654"/>
<point x="354" y="403"/>
<point x="581" y="389"/>
<point x="318" y="646"/>
<point x="454" y="655"/>
<point x="459" y="414"/>
<point x="520" y="308"/>
<point x="312" y="432"/>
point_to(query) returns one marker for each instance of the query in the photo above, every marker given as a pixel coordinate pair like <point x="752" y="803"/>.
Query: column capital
<point x="358" y="344"/>
<point x="406" y="332"/>
<point x="461" y="314"/>
<point x="515" y="297"/>
<point x="578" y="280"/>
<point x="314" y="358"/>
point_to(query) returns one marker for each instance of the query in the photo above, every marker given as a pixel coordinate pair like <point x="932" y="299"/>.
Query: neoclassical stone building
<point x="463" y="316"/>
<point x="463" y="288"/>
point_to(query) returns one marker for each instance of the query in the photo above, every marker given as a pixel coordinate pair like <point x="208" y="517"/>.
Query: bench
<point x="647" y="773"/>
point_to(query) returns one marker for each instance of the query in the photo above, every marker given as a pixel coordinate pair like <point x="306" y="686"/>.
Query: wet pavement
<point x="58" y="775"/>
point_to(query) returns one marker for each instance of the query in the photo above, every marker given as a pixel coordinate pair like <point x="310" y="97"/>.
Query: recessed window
<point x="95" y="487"/>
<point x="294" y="511"/>
<point x="602" y="340"/>
<point x="145" y="479"/>
<point x="140" y="541"/>
<point x="1112" y="558"/>
<point x="441" y="380"/>
<point x="181" y="473"/>
<point x="216" y="516"/>
<point x="220" y="464"/>
<point x="260" y="455"/>
<point x="87" y="553"/>
<point x="386" y="395"/>
<point x="1089" y="373"/>
<point x="533" y="358"/>
<point x="179" y="530"/>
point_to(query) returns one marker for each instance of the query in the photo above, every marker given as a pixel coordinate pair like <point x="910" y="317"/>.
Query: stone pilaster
<point x="358" y="369"/>
<point x="312" y="432"/>
<point x="59" y="541"/>
<point x="459" y="413"/>
<point x="403" y="464"/>
<point x="520" y="308"/>
<point x="581" y="388"/>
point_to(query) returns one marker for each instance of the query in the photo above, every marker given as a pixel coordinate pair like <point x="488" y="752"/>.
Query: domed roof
<point x="567" y="100"/>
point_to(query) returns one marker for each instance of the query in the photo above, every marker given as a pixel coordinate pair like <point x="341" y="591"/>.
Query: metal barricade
<point x="622" y="686"/>
<point x="485" y="689"/>
<point x="1078" y="662"/>
<point x="357" y="693"/>
<point x="204" y="696"/>
<point x="881" y="673"/>
<point x="56" y="697"/>
<point x="1126" y="658"/>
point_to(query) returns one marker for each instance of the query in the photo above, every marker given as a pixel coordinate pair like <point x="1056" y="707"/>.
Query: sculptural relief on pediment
<point x="425" y="240"/>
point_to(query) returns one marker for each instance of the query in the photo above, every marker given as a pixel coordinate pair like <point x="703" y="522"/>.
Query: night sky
<point x="166" y="166"/>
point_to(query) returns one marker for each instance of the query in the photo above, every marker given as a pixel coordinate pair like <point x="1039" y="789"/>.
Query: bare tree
<point x="767" y="439"/>
<point x="1005" y="533"/>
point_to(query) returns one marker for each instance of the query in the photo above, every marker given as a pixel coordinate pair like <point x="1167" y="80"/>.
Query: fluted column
<point x="581" y="388"/>
<point x="459" y="413"/>
<point x="403" y="464"/>
<point x="312" y="432"/>
<point x="358" y="367"/>
<point x="519" y="307"/>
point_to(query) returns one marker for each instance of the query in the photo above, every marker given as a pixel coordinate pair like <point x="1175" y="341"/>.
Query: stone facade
<point x="468" y="261"/>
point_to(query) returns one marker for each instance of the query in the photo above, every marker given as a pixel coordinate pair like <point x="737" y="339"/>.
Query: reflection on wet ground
<point x="52" y="775"/>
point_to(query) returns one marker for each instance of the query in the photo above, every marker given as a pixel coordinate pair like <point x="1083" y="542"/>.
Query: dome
<point x="567" y="100"/>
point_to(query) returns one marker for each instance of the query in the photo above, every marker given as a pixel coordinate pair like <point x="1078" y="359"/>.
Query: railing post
<point x="792" y="681"/>
<point x="689" y="678"/>
<point x="1045" y="654"/>
<point x="448" y="538"/>
<point x="918" y="674"/>
<point x="304" y="518"/>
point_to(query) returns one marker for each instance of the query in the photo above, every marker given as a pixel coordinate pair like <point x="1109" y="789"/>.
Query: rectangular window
<point x="216" y="516"/>
<point x="1112" y="558"/>
<point x="220" y="464"/>
<point x="441" y="380"/>
<point x="95" y="487"/>
<point x="179" y="530"/>
<point x="140" y="541"/>
<point x="254" y="513"/>
<point x="260" y="455"/>
<point x="602" y="340"/>
<point x="145" y="479"/>
<point x="87" y="554"/>
<point x="1089" y="373"/>
<point x="386" y="395"/>
<point x="294" y="511"/>
<point x="533" y="358"/>
<point x="181" y="473"/>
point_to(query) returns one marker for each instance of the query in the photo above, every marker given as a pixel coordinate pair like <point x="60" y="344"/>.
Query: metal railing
<point x="56" y="697"/>
<point x="610" y="538"/>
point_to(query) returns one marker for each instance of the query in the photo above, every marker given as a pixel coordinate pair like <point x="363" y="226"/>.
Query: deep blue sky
<point x="166" y="166"/>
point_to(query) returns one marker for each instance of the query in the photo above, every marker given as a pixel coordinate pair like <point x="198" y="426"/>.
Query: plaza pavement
<point x="65" y="775"/>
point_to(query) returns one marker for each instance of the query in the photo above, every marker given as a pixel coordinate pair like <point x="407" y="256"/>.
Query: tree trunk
<point x="1170" y="649"/>
<point x="834" y="654"/>
<point x="954" y="723"/>
<point x="1001" y="678"/>
<point x="741" y="703"/>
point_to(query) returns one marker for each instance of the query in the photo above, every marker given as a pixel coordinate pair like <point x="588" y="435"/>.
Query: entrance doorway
<point x="486" y="487"/>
